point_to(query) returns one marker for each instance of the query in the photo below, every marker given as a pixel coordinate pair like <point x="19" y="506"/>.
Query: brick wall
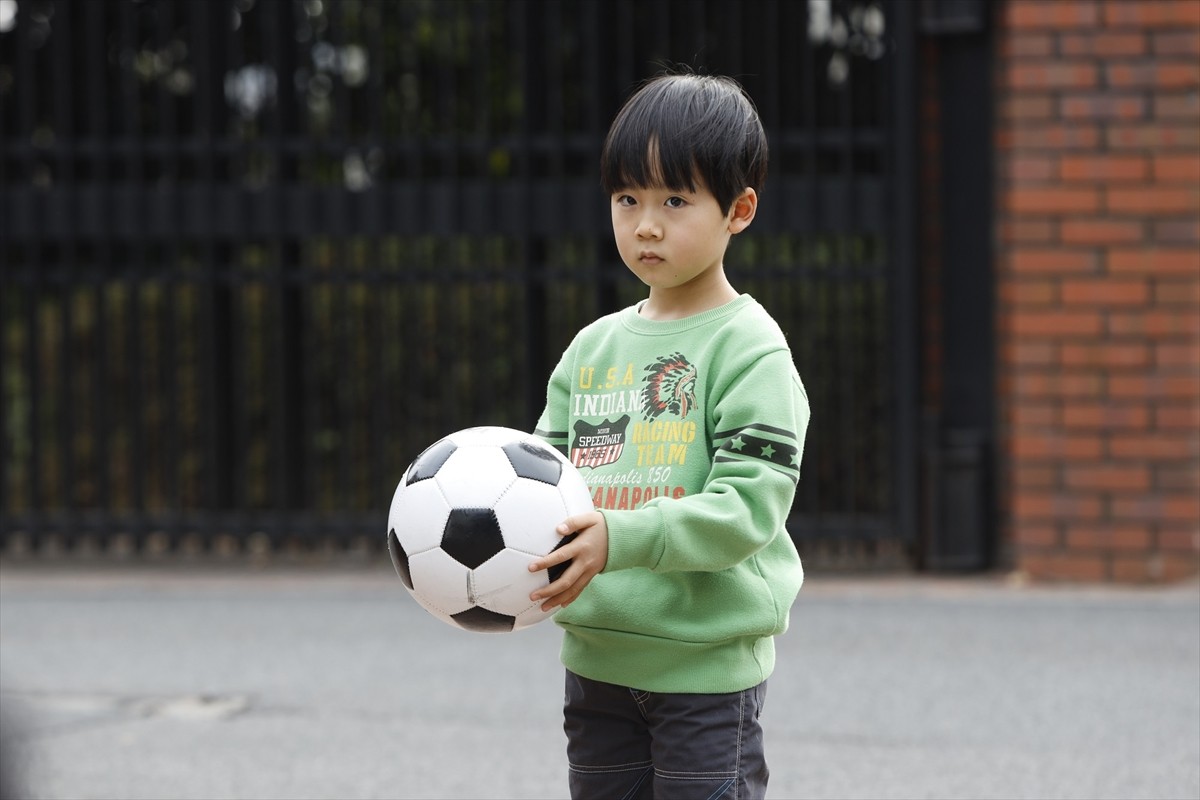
<point x="1098" y="296"/>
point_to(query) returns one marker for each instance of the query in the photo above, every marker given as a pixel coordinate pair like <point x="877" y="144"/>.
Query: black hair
<point x="683" y="130"/>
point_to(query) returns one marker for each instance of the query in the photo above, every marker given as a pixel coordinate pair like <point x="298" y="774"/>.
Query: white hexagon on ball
<point x="418" y="516"/>
<point x="475" y="477"/>
<point x="503" y="583"/>
<point x="528" y="513"/>
<point x="440" y="581"/>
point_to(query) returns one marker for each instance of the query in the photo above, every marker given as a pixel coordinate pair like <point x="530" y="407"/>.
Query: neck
<point x="664" y="305"/>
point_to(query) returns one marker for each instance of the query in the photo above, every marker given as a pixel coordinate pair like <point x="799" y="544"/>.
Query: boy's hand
<point x="587" y="552"/>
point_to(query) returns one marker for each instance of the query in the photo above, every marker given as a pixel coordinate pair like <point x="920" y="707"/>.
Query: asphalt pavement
<point x="305" y="682"/>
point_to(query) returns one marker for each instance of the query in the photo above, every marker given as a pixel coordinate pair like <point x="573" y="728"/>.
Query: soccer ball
<point x="469" y="516"/>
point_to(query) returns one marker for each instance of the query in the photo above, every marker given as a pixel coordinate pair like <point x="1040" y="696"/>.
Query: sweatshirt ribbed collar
<point x="633" y="321"/>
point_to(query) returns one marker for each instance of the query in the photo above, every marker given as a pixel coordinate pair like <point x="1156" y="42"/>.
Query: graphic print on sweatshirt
<point x="629" y="437"/>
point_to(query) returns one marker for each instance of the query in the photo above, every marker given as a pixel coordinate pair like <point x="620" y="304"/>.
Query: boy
<point x="687" y="417"/>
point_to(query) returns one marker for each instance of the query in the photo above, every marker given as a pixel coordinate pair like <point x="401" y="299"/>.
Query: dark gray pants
<point x="624" y="743"/>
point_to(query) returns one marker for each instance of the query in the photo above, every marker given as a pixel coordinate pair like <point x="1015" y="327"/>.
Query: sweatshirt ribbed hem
<point x="667" y="665"/>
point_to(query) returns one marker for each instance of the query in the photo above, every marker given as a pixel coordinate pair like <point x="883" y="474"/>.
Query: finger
<point x="558" y="589"/>
<point x="560" y="554"/>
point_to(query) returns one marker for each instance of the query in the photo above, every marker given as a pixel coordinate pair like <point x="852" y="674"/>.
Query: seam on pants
<point x="632" y="767"/>
<point x="640" y="698"/>
<point x="737" y="762"/>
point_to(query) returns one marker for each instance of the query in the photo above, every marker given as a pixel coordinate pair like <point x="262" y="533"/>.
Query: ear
<point x="743" y="210"/>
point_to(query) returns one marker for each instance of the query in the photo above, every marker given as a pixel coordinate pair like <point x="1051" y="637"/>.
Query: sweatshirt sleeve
<point x="758" y="428"/>
<point x="552" y="425"/>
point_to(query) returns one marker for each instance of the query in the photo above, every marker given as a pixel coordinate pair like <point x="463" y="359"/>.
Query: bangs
<point x="643" y="159"/>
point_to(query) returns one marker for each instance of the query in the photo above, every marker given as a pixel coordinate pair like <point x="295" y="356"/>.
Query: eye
<point x="625" y="201"/>
<point x="676" y="201"/>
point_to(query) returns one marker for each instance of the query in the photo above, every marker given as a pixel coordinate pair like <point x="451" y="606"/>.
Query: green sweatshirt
<point x="690" y="434"/>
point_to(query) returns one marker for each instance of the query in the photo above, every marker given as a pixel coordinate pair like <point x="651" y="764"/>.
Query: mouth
<point x="647" y="257"/>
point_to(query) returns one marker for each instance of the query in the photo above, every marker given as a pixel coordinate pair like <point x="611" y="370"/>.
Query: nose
<point x="648" y="228"/>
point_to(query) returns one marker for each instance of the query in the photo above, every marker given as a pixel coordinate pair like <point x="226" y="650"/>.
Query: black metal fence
<point x="256" y="254"/>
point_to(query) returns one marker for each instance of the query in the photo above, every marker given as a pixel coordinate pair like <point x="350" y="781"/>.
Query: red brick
<point x="1111" y="356"/>
<point x="1105" y="292"/>
<point x="1030" y="15"/>
<point x="1157" y="261"/>
<point x="1052" y="200"/>
<point x="1032" y="446"/>
<point x="1170" y="355"/>
<point x="1035" y="478"/>
<point x="1021" y="353"/>
<point x="1154" y="323"/>
<point x="1025" y="44"/>
<point x="1104" y="537"/>
<point x="1040" y="505"/>
<point x="1152" y="387"/>
<point x="1154" y="567"/>
<point x="1030" y="261"/>
<point x="1153" y="446"/>
<point x="1100" y="231"/>
<point x="1106" y="44"/>
<point x="1078" y="415"/>
<point x="1029" y="169"/>
<point x="1054" y="136"/>
<point x="1026" y="231"/>
<point x="1103" y="168"/>
<point x="1152" y="75"/>
<point x="1035" y="535"/>
<point x="1024" y="107"/>
<point x="1151" y="13"/>
<point x="1185" y="539"/>
<point x="1177" y="476"/>
<point x="1177" y="568"/>
<point x="1178" y="230"/>
<point x="1055" y="323"/>
<point x="1176" y="43"/>
<point x="1027" y="75"/>
<point x="1184" y="417"/>
<point x="1182" y="168"/>
<point x="1132" y="568"/>
<point x="1157" y="506"/>
<point x="1170" y="293"/>
<point x="1039" y="385"/>
<point x="1155" y="136"/>
<point x="1029" y="292"/>
<point x="1102" y="105"/>
<point x="1030" y="415"/>
<point x="1108" y="478"/>
<point x="1055" y="566"/>
<point x="1153" y="200"/>
<point x="1182" y="105"/>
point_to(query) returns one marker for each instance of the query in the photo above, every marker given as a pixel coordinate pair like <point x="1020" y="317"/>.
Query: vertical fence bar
<point x="903" y="160"/>
<point x="133" y="275"/>
<point x="375" y="143"/>
<point x="67" y="266"/>
<point x="215" y="343"/>
<point x="850" y="289"/>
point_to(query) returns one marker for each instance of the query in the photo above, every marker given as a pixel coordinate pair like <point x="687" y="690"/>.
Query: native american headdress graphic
<point x="670" y="386"/>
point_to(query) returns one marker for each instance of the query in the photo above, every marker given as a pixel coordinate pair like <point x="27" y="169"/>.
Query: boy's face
<point x="674" y="239"/>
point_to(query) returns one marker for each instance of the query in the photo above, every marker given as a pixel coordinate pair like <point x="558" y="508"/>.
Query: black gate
<point x="256" y="254"/>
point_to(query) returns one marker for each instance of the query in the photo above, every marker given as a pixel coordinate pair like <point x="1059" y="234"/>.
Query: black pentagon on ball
<point x="399" y="559"/>
<point x="427" y="464"/>
<point x="533" y="462"/>
<point x="472" y="536"/>
<point x="483" y="621"/>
